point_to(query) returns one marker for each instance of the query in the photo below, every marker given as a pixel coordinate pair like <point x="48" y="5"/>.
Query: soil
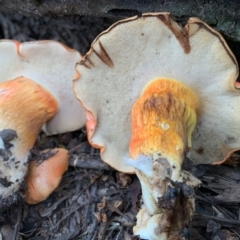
<point x="93" y="200"/>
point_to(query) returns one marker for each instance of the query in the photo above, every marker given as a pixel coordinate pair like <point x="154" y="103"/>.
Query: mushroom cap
<point x="52" y="65"/>
<point x="42" y="179"/>
<point x="135" y="51"/>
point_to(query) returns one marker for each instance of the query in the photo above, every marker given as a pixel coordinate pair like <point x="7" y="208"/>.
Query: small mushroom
<point x="156" y="81"/>
<point x="35" y="92"/>
<point x="44" y="178"/>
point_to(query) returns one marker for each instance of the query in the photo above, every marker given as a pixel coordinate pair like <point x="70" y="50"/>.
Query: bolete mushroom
<point x="43" y="178"/>
<point x="35" y="92"/>
<point x="156" y="81"/>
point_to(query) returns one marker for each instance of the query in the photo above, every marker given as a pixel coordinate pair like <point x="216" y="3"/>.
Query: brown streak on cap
<point x="83" y="62"/>
<point x="103" y="55"/>
<point x="181" y="35"/>
<point x="90" y="61"/>
<point x="87" y="62"/>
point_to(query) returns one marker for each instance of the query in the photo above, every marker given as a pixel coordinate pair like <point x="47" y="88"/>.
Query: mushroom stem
<point x="163" y="119"/>
<point x="21" y="122"/>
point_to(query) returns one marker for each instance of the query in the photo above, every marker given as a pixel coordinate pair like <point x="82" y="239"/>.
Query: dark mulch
<point x="94" y="201"/>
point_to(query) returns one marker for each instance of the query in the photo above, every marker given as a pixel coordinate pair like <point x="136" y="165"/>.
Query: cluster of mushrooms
<point x="150" y="92"/>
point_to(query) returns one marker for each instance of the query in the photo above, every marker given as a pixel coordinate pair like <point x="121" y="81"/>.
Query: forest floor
<point x="93" y="200"/>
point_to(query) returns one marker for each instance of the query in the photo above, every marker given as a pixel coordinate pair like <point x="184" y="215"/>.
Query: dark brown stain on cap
<point x="103" y="55"/>
<point x="181" y="35"/>
<point x="87" y="62"/>
<point x="200" y="151"/>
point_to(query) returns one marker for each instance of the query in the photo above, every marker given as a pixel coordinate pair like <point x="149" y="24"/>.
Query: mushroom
<point x="43" y="178"/>
<point x="35" y="92"/>
<point x="156" y="81"/>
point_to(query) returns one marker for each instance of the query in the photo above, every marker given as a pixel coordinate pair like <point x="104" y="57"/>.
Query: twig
<point x="202" y="220"/>
<point x="16" y="227"/>
<point x="76" y="148"/>
<point x="89" y="162"/>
